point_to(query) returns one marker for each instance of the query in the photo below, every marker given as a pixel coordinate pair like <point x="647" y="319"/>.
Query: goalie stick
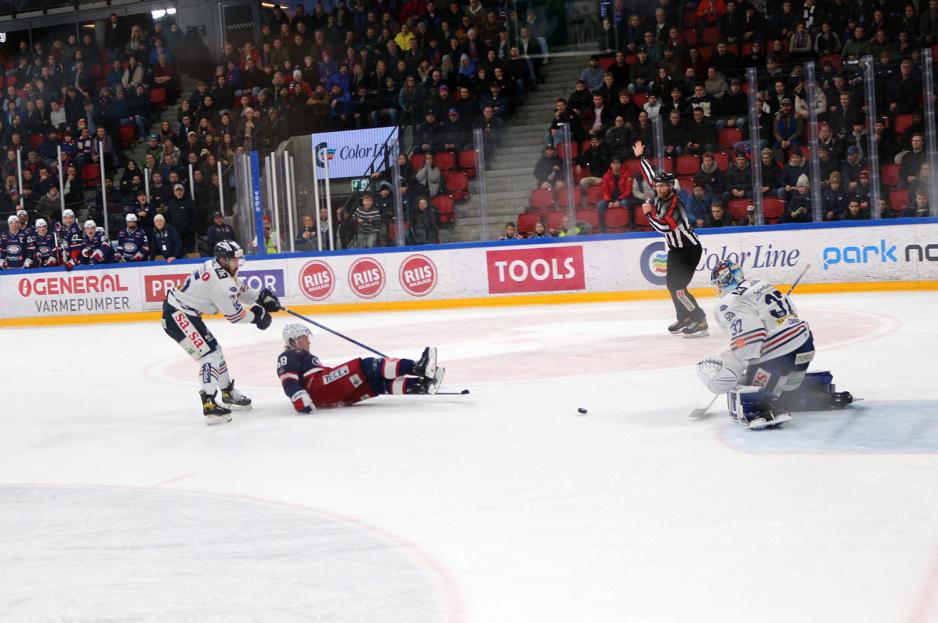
<point x="700" y="412"/>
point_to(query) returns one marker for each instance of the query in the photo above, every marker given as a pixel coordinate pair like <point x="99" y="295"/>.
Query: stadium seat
<point x="722" y="160"/>
<point x="617" y="220"/>
<point x="835" y="60"/>
<point x="579" y="175"/>
<point x="772" y="209"/>
<point x="589" y="216"/>
<point x="594" y="194"/>
<point x="457" y="185"/>
<point x="467" y="162"/>
<point x="416" y="161"/>
<point x="542" y="199"/>
<point x="563" y="198"/>
<point x="91" y="174"/>
<point x="889" y="175"/>
<point x="705" y="53"/>
<point x="641" y="221"/>
<point x="729" y="137"/>
<point x="686" y="182"/>
<point x="527" y="221"/>
<point x="633" y="166"/>
<point x="606" y="62"/>
<point x="639" y="99"/>
<point x="392" y="232"/>
<point x="738" y="207"/>
<point x="711" y="36"/>
<point x="445" y="208"/>
<point x="158" y="97"/>
<point x="899" y="199"/>
<point x="562" y="150"/>
<point x="902" y="123"/>
<point x="35" y="140"/>
<point x="127" y="133"/>
<point x="666" y="161"/>
<point x="555" y="220"/>
<point x="444" y="160"/>
<point x="687" y="165"/>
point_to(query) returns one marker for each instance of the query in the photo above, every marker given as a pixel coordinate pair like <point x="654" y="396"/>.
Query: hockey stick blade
<point x="459" y="393"/>
<point x="699" y="413"/>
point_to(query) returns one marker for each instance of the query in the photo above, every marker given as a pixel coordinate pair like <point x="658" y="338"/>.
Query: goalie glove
<point x="268" y="300"/>
<point x="302" y="402"/>
<point x="261" y="318"/>
<point x="723" y="372"/>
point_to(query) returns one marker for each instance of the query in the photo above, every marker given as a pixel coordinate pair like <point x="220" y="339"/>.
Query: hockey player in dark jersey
<point x="70" y="239"/>
<point x="667" y="216"/>
<point x="15" y="246"/>
<point x="95" y="247"/>
<point x="132" y="244"/>
<point x="45" y="250"/>
<point x="310" y="384"/>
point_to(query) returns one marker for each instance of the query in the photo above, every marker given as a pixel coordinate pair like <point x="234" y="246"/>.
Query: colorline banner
<point x="893" y="252"/>
<point x="353" y="153"/>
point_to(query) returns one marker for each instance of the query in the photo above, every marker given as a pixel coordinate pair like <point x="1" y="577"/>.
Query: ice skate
<point x="426" y="365"/>
<point x="214" y="413"/>
<point x="697" y="328"/>
<point x="677" y="327"/>
<point x="233" y="398"/>
<point x="769" y="419"/>
<point x="427" y="386"/>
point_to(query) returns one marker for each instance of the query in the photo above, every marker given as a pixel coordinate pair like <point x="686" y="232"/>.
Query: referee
<point x="667" y="215"/>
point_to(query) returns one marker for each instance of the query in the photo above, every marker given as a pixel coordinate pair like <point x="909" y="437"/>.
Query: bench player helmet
<point x="726" y="276"/>
<point x="293" y="332"/>
<point x="227" y="250"/>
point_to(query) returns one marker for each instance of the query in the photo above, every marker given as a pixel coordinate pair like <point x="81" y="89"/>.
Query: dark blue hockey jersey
<point x="45" y="251"/>
<point x="294" y="367"/>
<point x="96" y="249"/>
<point x="132" y="246"/>
<point x="16" y="250"/>
<point x="70" y="238"/>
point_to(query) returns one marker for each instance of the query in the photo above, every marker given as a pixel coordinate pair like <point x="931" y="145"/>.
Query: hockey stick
<point x="699" y="413"/>
<point x="798" y="280"/>
<point x="460" y="393"/>
<point x="333" y="332"/>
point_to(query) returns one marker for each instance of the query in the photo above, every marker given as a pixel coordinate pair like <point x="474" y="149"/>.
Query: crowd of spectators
<point x="687" y="64"/>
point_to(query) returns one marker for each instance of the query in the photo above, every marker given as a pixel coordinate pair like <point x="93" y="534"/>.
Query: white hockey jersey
<point x="211" y="290"/>
<point x="761" y="321"/>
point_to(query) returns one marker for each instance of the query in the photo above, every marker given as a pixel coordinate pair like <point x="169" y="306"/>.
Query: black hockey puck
<point x="582" y="411"/>
<point x="464" y="392"/>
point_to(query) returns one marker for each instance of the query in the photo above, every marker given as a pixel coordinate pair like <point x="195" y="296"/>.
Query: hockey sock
<point x="400" y="385"/>
<point x="223" y="379"/>
<point x="393" y="368"/>
<point x="209" y="378"/>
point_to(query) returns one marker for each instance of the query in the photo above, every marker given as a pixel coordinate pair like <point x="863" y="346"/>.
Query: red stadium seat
<point x="902" y="123"/>
<point x="711" y="36"/>
<point x="35" y="140"/>
<point x="687" y="165"/>
<point x="579" y="175"/>
<point x="416" y="161"/>
<point x="889" y="175"/>
<point x="666" y="161"/>
<point x="738" y="207"/>
<point x="607" y="62"/>
<point x="91" y="174"/>
<point x="563" y="198"/>
<point x="899" y="199"/>
<point x="835" y="60"/>
<point x="445" y="160"/>
<point x="562" y="150"/>
<point x="705" y="53"/>
<point x="542" y="199"/>
<point x="617" y="220"/>
<point x="633" y="166"/>
<point x="467" y="162"/>
<point x="590" y="216"/>
<point x="639" y="99"/>
<point x="445" y="208"/>
<point x="457" y="185"/>
<point x="555" y="220"/>
<point x="594" y="194"/>
<point x="729" y="137"/>
<point x="158" y="97"/>
<point x="722" y="160"/>
<point x="127" y="134"/>
<point x="527" y="221"/>
<point x="772" y="209"/>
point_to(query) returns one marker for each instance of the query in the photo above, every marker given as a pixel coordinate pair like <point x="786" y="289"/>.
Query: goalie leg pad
<point x="750" y="406"/>
<point x="817" y="393"/>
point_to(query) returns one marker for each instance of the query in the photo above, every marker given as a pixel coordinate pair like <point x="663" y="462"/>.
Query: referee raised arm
<point x="666" y="214"/>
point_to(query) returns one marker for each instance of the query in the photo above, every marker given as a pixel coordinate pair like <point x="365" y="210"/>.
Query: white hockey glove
<point x="302" y="402"/>
<point x="722" y="373"/>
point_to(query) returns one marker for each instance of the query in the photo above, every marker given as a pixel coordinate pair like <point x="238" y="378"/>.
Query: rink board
<point x="882" y="255"/>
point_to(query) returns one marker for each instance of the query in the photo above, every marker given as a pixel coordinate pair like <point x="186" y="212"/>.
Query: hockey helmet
<point x="12" y="219"/>
<point x="663" y="177"/>
<point x="726" y="276"/>
<point x="295" y="331"/>
<point x="41" y="223"/>
<point x="89" y="224"/>
<point x="227" y="250"/>
<point x="66" y="213"/>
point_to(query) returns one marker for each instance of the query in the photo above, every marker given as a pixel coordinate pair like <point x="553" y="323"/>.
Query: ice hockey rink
<point x="504" y="506"/>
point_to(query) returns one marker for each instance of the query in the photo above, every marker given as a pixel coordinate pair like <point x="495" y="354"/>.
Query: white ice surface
<point x="505" y="506"/>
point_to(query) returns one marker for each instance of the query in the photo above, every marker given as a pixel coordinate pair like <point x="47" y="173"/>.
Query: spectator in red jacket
<point x="617" y="186"/>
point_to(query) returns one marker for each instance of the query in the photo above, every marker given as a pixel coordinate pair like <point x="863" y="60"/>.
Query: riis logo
<point x="323" y="153"/>
<point x="855" y="254"/>
<point x="654" y="263"/>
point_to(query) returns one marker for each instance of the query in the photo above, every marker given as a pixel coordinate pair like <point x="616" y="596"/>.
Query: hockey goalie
<point x="764" y="373"/>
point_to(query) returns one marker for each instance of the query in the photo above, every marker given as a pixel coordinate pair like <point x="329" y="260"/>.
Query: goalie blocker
<point x="764" y="374"/>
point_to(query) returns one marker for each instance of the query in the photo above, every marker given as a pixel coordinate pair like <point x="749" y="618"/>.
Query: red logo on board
<point x="366" y="277"/>
<point x="418" y="275"/>
<point x="317" y="281"/>
<point x="156" y="286"/>
<point x="544" y="269"/>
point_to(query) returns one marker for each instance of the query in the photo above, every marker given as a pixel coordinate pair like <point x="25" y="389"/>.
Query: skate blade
<point x="696" y="334"/>
<point x="434" y="387"/>
<point x="213" y="420"/>
<point x="234" y="407"/>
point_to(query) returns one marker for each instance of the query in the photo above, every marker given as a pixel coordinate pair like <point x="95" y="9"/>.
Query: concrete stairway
<point x="510" y="178"/>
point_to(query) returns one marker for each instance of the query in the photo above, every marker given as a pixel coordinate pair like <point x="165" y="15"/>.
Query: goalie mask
<point x="293" y="332"/>
<point x="726" y="276"/>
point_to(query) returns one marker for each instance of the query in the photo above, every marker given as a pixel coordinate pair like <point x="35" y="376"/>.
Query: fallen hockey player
<point x="764" y="374"/>
<point x="310" y="385"/>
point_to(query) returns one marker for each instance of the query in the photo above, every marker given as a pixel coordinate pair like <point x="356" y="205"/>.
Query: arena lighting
<point x="160" y="13"/>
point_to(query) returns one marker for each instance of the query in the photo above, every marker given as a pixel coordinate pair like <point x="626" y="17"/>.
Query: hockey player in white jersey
<point x="214" y="288"/>
<point x="764" y="372"/>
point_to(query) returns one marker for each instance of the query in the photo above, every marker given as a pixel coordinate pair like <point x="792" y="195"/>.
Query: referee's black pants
<point x="681" y="265"/>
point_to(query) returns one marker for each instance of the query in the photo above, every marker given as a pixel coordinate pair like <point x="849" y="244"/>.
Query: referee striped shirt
<point x="669" y="216"/>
